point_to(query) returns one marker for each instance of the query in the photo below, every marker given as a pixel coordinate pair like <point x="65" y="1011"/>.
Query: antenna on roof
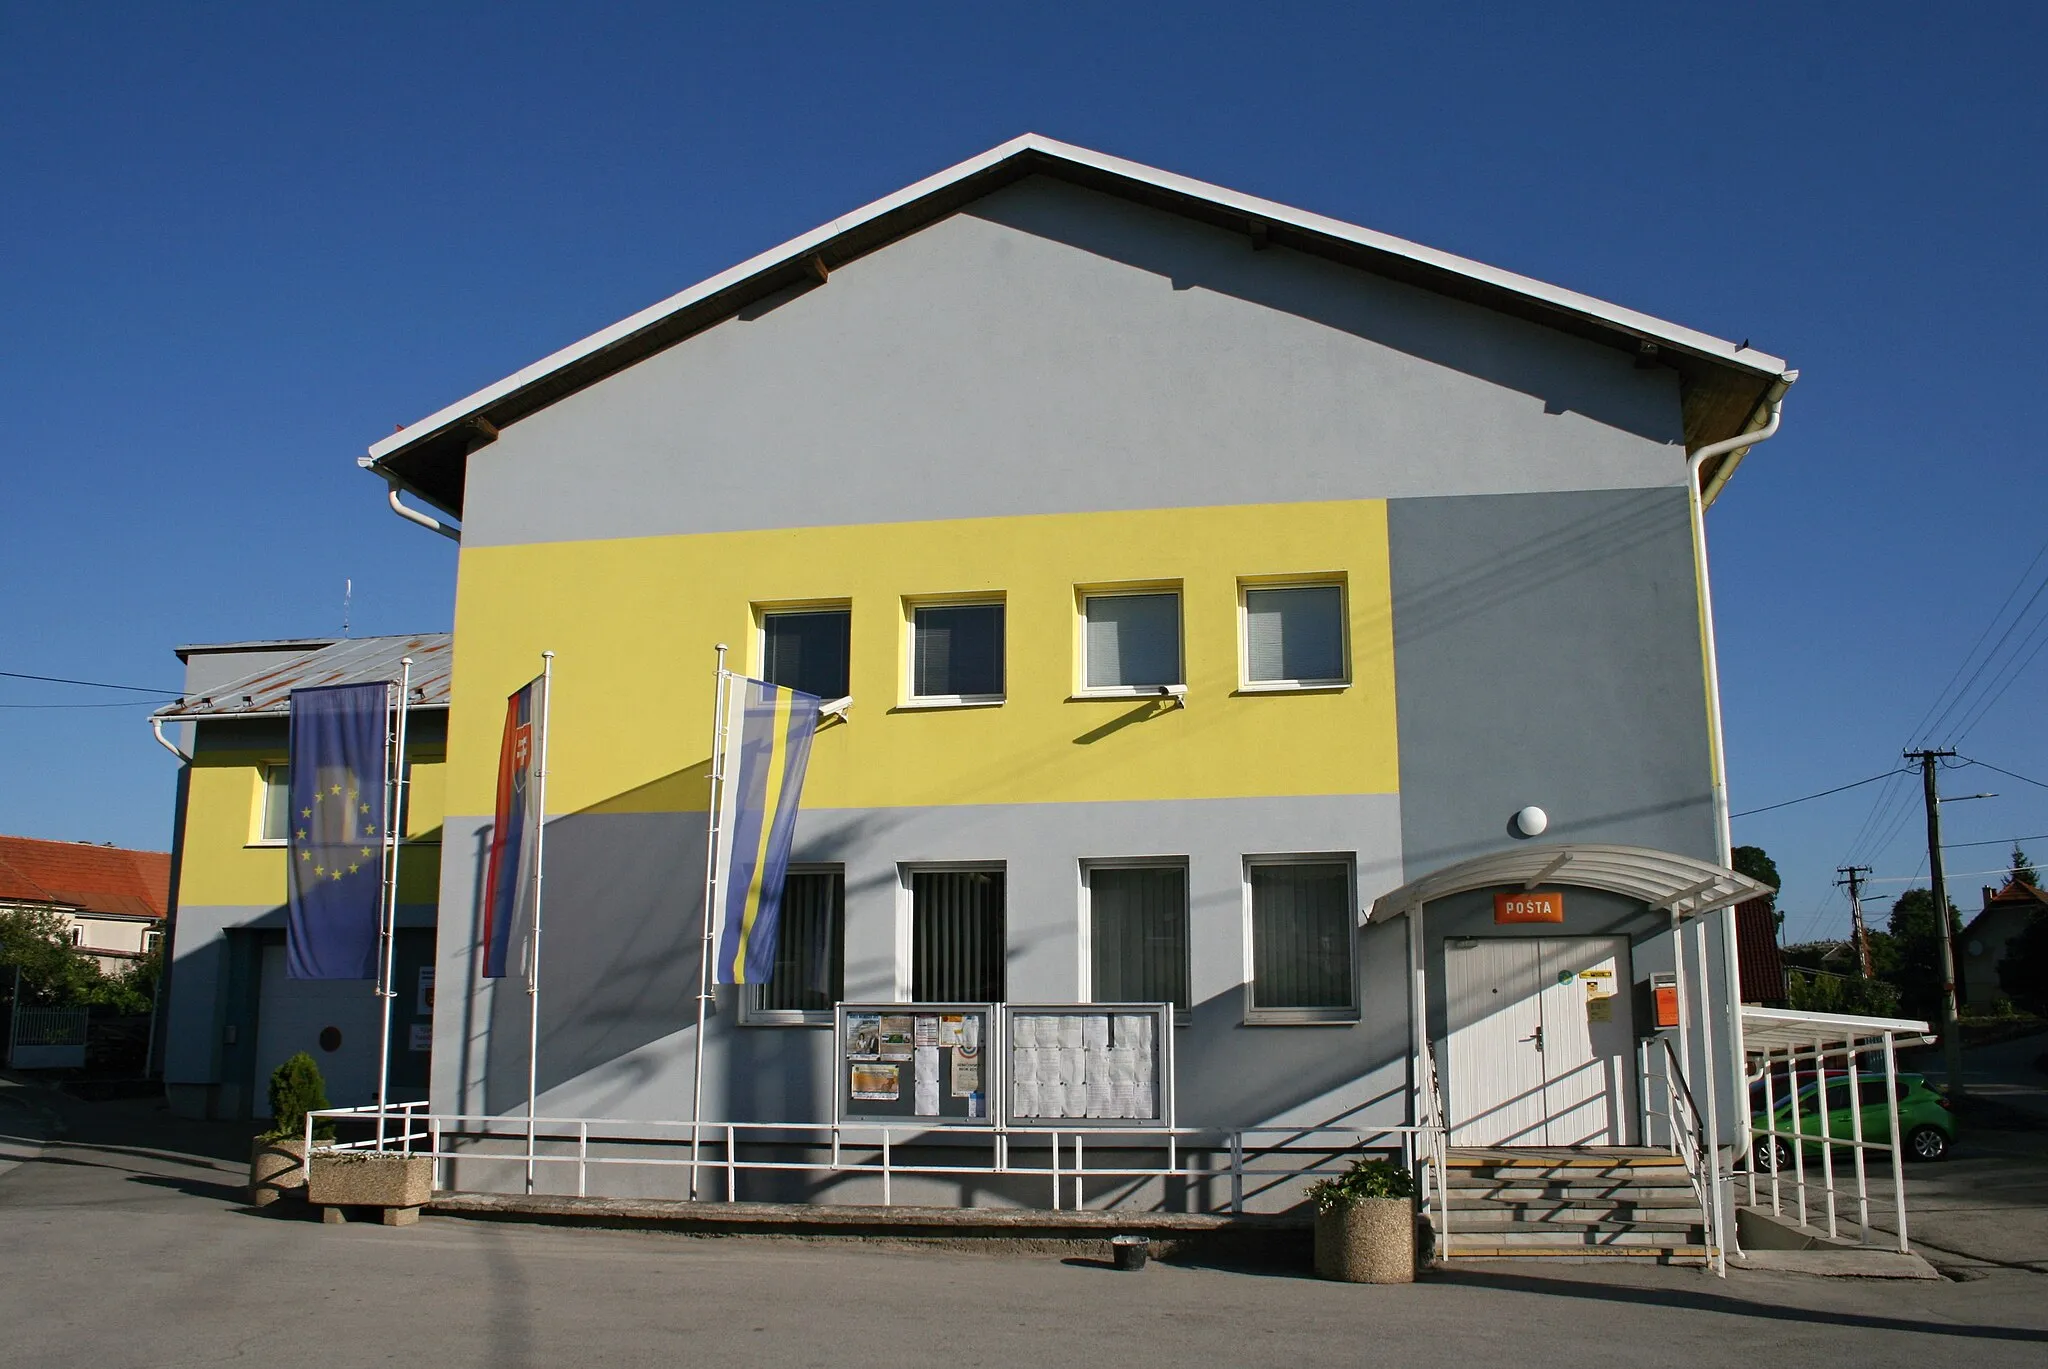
<point x="348" y="593"/>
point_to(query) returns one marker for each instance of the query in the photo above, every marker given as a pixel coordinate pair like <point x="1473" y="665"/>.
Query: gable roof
<point x="76" y="874"/>
<point x="354" y="660"/>
<point x="1723" y="384"/>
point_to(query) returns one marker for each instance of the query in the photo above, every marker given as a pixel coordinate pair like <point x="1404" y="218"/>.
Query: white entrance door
<point x="1540" y="1041"/>
<point x="336" y="1021"/>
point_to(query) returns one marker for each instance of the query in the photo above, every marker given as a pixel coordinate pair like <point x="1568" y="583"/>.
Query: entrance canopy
<point x="1781" y="1029"/>
<point x="1665" y="881"/>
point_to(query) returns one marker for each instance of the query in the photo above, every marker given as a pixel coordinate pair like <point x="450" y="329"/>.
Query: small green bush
<point x="1365" y="1179"/>
<point x="296" y="1089"/>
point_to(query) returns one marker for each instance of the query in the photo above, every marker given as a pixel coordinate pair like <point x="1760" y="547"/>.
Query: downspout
<point x="156" y="725"/>
<point x="1696" y="503"/>
<point x="415" y="516"/>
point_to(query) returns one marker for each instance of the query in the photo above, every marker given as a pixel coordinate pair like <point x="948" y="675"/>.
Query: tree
<point x="1916" y="944"/>
<point x="1755" y="863"/>
<point x="2022" y="868"/>
<point x="53" y="971"/>
<point x="1815" y="991"/>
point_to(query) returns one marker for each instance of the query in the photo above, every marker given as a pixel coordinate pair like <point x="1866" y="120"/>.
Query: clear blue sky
<point x="242" y="242"/>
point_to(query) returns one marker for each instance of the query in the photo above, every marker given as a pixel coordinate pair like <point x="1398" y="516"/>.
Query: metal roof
<point x="1723" y="383"/>
<point x="1769" y="1029"/>
<point x="191" y="649"/>
<point x="355" y="660"/>
<point x="1662" y="879"/>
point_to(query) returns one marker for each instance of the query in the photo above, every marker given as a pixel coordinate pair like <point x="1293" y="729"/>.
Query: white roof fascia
<point x="1567" y="301"/>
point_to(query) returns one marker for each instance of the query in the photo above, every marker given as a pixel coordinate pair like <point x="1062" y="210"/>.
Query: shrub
<point x="296" y="1089"/>
<point x="1365" y="1179"/>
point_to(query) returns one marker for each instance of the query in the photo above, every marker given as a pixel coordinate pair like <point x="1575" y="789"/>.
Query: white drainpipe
<point x="1696" y="502"/>
<point x="156" y="725"/>
<point x="415" y="516"/>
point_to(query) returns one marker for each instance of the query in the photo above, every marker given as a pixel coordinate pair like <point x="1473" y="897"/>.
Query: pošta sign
<point x="1538" y="906"/>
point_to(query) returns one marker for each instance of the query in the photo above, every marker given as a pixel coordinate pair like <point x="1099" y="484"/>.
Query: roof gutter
<point x="426" y="521"/>
<point x="156" y="725"/>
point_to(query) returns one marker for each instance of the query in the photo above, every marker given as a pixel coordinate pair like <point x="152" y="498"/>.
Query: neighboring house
<point x="1214" y="583"/>
<point x="231" y="1014"/>
<point x="111" y="899"/>
<point x="1983" y="942"/>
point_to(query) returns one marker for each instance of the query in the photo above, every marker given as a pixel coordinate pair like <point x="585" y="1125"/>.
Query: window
<point x="275" y="821"/>
<point x="1294" y="635"/>
<point x="807" y="650"/>
<point x="957" y="936"/>
<point x="1131" y="641"/>
<point x="77" y="934"/>
<point x="1137" y="933"/>
<point x="1303" y="932"/>
<point x="152" y="940"/>
<point x="810" y="951"/>
<point x="956" y="652"/>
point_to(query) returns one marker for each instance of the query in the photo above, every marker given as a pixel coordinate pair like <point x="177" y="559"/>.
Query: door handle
<point x="1536" y="1036"/>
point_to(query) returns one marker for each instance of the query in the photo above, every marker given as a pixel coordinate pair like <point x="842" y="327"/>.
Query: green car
<point x="1927" y="1122"/>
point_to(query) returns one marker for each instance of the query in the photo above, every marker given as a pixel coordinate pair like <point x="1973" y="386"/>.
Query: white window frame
<point x="1181" y="1016"/>
<point x="911" y="699"/>
<point x="1084" y="593"/>
<point x="764" y="608"/>
<point x="256" y="837"/>
<point x="906" y="922"/>
<point x="753" y="1016"/>
<point x="1245" y="683"/>
<point x="1286" y="1017"/>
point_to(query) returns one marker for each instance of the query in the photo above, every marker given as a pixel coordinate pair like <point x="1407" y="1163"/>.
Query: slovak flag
<point x="510" y="887"/>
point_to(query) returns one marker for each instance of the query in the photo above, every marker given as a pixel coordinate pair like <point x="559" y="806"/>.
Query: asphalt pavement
<point x="124" y="1241"/>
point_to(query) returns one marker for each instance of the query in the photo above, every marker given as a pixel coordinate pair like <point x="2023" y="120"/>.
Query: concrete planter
<point x="1370" y="1241"/>
<point x="363" y="1178"/>
<point x="276" y="1170"/>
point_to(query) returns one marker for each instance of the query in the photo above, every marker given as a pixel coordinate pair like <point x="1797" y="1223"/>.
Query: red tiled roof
<point x="2016" y="890"/>
<point x="97" y="879"/>
<point x="1758" y="964"/>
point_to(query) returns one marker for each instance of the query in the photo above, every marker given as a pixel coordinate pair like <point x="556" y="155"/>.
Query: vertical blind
<point x="1301" y="935"/>
<point x="807" y="651"/>
<point x="957" y="936"/>
<point x="277" y="802"/>
<point x="958" y="650"/>
<point x="1295" y="633"/>
<point x="1138" y="927"/>
<point x="810" y="949"/>
<point x="1133" y="639"/>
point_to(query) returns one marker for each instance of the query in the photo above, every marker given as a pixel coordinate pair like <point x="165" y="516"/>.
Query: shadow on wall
<point x="1465" y="338"/>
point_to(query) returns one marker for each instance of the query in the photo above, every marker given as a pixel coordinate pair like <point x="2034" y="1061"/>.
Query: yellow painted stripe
<point x="771" y="799"/>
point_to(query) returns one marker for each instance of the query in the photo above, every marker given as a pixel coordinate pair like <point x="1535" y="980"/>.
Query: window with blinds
<point x="277" y="804"/>
<point x="1138" y="934"/>
<point x="956" y="651"/>
<point x="958" y="940"/>
<point x="807" y="650"/>
<point x="1131" y="640"/>
<point x="1294" y="635"/>
<point x="810" y="949"/>
<point x="1302" y="940"/>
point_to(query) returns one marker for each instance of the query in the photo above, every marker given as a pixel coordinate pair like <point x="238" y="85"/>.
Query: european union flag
<point x="339" y="744"/>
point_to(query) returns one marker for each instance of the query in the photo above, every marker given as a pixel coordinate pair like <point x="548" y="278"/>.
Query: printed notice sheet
<point x="863" y="1036"/>
<point x="896" y="1036"/>
<point x="926" y="1096"/>
<point x="877" y="1083"/>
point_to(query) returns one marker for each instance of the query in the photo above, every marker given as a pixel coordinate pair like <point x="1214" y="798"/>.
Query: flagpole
<point x="540" y="826"/>
<point x="711" y="835"/>
<point x="394" y="818"/>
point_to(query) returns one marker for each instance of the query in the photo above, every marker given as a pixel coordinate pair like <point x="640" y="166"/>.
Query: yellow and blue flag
<point x="339" y="750"/>
<point x="766" y="744"/>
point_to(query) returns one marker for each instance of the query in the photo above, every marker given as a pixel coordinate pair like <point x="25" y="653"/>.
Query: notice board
<point x="918" y="1063"/>
<point x="1073" y="1065"/>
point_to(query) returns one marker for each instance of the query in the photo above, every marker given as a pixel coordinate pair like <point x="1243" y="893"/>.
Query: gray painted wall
<point x="1054" y="350"/>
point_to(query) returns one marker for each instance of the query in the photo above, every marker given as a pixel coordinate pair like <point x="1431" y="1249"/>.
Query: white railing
<point x="1437" y="1137"/>
<point x="1261" y="1159"/>
<point x="1686" y="1134"/>
<point x="1786" y="1147"/>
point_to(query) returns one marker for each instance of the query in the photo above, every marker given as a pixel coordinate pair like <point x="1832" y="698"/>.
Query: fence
<point x="48" y="1038"/>
<point x="1261" y="1160"/>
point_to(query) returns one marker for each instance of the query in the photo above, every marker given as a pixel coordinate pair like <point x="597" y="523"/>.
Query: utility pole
<point x="1852" y="875"/>
<point x="1951" y="1028"/>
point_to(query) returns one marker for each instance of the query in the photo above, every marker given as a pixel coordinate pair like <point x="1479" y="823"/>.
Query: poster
<point x="423" y="1036"/>
<point x="878" y="1083"/>
<point x="864" y="1036"/>
<point x="425" y="1005"/>
<point x="925" y="1077"/>
<point x="926" y="1033"/>
<point x="966" y="1072"/>
<point x="952" y="1029"/>
<point x="897" y="1033"/>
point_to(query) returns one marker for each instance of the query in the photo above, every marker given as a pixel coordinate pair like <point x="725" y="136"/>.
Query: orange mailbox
<point x="1664" y="1001"/>
<point x="1535" y="906"/>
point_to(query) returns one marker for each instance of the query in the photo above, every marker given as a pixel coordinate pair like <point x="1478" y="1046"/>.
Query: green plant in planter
<point x="296" y="1089"/>
<point x="1365" y="1179"/>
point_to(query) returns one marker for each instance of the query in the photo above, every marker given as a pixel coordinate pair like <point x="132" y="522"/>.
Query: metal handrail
<point x="1690" y="1143"/>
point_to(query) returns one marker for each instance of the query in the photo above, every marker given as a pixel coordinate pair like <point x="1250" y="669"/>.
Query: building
<point x="1221" y="590"/>
<point x="1983" y="944"/>
<point x="231" y="1015"/>
<point x="112" y="900"/>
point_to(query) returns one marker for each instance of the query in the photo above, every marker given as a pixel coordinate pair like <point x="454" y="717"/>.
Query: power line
<point x="118" y="703"/>
<point x="1996" y="841"/>
<point x="89" y="684"/>
<point x="1840" y="788"/>
<point x="2007" y="773"/>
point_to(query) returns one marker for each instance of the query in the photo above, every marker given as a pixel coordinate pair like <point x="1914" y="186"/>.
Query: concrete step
<point x="1663" y="1254"/>
<point x="1570" y="1228"/>
<point x="1575" y="1238"/>
<point x="1566" y="1174"/>
<point x="1620" y="1195"/>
